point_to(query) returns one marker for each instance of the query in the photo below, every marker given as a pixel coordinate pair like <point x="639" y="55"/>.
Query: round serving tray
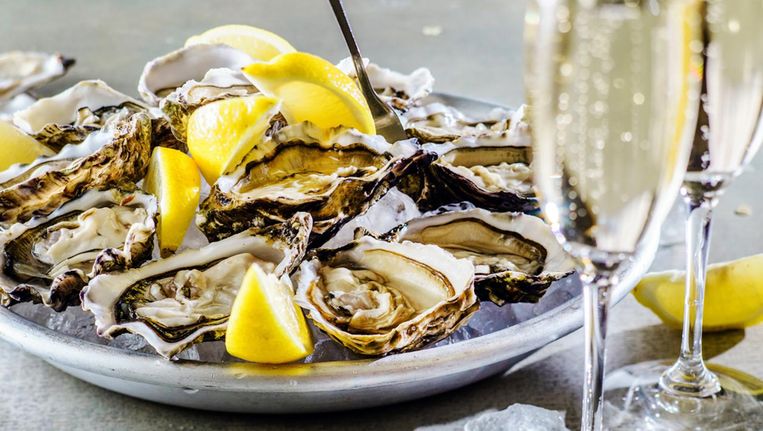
<point x="316" y="387"/>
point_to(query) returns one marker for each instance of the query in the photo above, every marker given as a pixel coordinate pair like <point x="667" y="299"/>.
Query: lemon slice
<point x="221" y="133"/>
<point x="733" y="295"/>
<point x="174" y="179"/>
<point x="18" y="147"/>
<point x="265" y="324"/>
<point x="258" y="43"/>
<point x="312" y="89"/>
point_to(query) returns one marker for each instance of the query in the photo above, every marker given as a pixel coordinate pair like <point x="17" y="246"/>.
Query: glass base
<point x="634" y="401"/>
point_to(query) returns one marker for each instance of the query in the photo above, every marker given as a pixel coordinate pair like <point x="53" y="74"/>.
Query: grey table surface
<point x="473" y="48"/>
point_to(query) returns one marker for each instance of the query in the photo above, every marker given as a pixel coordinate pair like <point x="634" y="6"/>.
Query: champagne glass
<point x="686" y="394"/>
<point x="614" y="92"/>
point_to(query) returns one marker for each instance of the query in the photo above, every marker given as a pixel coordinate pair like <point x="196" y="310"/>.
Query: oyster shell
<point x="515" y="256"/>
<point x="492" y="171"/>
<point x="22" y="71"/>
<point x="334" y="178"/>
<point x="396" y="89"/>
<point x="115" y="157"/>
<point x="377" y="297"/>
<point x="217" y="84"/>
<point x="49" y="259"/>
<point x="70" y="116"/>
<point x="162" y="75"/>
<point x="186" y="298"/>
<point x="15" y="104"/>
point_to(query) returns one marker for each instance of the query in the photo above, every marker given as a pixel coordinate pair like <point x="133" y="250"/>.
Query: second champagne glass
<point x="614" y="90"/>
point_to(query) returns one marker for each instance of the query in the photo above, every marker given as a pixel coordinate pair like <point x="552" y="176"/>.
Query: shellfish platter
<point x="243" y="208"/>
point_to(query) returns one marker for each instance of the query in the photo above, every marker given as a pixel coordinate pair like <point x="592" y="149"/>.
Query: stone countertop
<point x="474" y="49"/>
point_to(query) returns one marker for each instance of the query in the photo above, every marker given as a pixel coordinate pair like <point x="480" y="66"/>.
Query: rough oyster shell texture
<point x="334" y="179"/>
<point x="378" y="297"/>
<point x="106" y="159"/>
<point x="515" y="256"/>
<point x="50" y="259"/>
<point x="186" y="298"/>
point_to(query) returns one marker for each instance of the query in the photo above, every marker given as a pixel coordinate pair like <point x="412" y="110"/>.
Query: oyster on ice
<point x="334" y="178"/>
<point x="217" y="84"/>
<point x="515" y="256"/>
<point x="70" y="116"/>
<point x="396" y="89"/>
<point x="187" y="298"/>
<point x="378" y="297"/>
<point x="114" y="157"/>
<point x="162" y="75"/>
<point x="49" y="259"/>
<point x="22" y="71"/>
<point x="490" y="171"/>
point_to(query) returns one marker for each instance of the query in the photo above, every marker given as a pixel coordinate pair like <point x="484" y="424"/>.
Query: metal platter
<point x="311" y="387"/>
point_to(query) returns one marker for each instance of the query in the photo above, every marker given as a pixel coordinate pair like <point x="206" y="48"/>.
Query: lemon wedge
<point x="265" y="324"/>
<point x="312" y="89"/>
<point x="733" y="295"/>
<point x="18" y="147"/>
<point x="221" y="133"/>
<point x="258" y="43"/>
<point x="174" y="179"/>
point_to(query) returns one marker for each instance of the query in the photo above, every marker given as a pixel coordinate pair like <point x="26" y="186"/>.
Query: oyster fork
<point x="386" y="120"/>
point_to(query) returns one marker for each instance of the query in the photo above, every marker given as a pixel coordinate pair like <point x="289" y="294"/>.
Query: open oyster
<point x="68" y="117"/>
<point x="491" y="171"/>
<point x="115" y="157"/>
<point x="217" y="84"/>
<point x="162" y="75"/>
<point x="437" y="122"/>
<point x="187" y="298"/>
<point x="516" y="256"/>
<point x="396" y="89"/>
<point x="334" y="178"/>
<point x="378" y="297"/>
<point x="49" y="259"/>
<point x="22" y="71"/>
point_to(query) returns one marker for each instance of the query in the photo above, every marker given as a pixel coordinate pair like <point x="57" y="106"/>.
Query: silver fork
<point x="385" y="118"/>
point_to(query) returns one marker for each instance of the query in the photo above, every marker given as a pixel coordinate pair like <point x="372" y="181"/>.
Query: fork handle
<point x="357" y="58"/>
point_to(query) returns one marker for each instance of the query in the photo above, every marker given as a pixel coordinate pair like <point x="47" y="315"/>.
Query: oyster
<point x="162" y="75"/>
<point x="490" y="171"/>
<point x="516" y="256"/>
<point x="70" y="116"/>
<point x="217" y="84"/>
<point x="22" y="71"/>
<point x="437" y="122"/>
<point x="396" y="89"/>
<point x="15" y="104"/>
<point x="115" y="157"/>
<point x="378" y="297"/>
<point x="49" y="259"/>
<point x="334" y="177"/>
<point x="187" y="298"/>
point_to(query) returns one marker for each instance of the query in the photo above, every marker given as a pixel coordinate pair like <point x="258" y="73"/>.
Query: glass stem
<point x="689" y="376"/>
<point x="596" y="287"/>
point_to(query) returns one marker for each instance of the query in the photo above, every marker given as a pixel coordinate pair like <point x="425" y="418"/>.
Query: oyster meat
<point x="22" y="71"/>
<point x="70" y="116"/>
<point x="187" y="298"/>
<point x="115" y="157"/>
<point x="334" y="178"/>
<point x="163" y="75"/>
<point x="49" y="259"/>
<point x="378" y="297"/>
<point x="515" y="256"/>
<point x="490" y="171"/>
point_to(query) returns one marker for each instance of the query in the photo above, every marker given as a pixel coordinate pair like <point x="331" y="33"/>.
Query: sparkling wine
<point x="730" y="125"/>
<point x="620" y="105"/>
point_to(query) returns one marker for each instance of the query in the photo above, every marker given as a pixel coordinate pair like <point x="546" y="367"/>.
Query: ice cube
<point x="516" y="417"/>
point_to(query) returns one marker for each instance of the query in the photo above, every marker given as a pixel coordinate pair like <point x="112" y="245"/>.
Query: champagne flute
<point x="687" y="395"/>
<point x="614" y="89"/>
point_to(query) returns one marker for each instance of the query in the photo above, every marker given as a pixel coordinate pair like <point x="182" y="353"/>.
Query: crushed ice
<point x="516" y="417"/>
